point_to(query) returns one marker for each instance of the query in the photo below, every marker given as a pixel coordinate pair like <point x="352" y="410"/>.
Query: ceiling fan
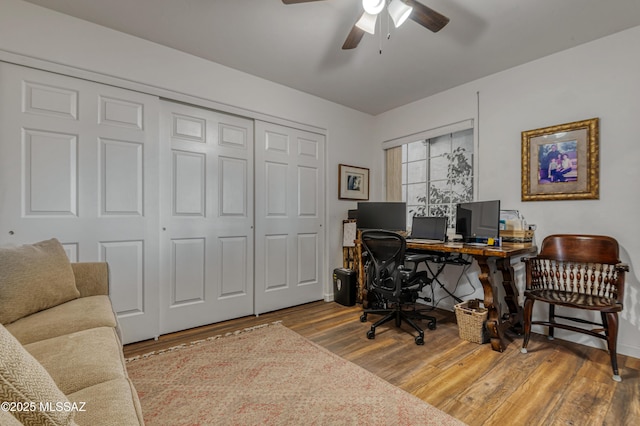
<point x="399" y="10"/>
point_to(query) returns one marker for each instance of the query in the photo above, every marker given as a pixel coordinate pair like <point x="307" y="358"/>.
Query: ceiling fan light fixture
<point x="399" y="12"/>
<point x="367" y="22"/>
<point x="373" y="7"/>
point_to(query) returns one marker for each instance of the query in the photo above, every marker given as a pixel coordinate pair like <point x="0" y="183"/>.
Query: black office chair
<point x="392" y="284"/>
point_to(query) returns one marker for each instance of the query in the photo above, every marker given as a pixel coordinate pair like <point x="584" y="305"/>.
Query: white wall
<point x="598" y="79"/>
<point x="36" y="33"/>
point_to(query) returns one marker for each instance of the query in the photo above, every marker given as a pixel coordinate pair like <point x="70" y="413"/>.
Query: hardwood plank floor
<point x="555" y="383"/>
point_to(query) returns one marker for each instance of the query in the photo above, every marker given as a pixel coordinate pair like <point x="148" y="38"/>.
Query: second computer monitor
<point x="478" y="221"/>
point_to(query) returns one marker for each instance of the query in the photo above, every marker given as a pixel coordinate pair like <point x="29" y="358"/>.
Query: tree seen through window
<point x="437" y="174"/>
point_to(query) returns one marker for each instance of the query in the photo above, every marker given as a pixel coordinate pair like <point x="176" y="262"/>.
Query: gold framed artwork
<point x="353" y="183"/>
<point x="561" y="162"/>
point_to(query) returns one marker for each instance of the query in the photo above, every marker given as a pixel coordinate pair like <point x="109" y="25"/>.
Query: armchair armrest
<point x="92" y="278"/>
<point x="622" y="267"/>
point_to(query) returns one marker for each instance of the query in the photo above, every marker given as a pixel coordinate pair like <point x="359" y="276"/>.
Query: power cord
<point x="435" y="278"/>
<point x="467" y="264"/>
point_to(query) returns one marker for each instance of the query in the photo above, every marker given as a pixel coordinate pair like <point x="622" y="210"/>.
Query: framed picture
<point x="353" y="183"/>
<point x="561" y="162"/>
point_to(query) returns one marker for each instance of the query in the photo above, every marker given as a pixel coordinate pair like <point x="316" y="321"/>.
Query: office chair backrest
<point x="386" y="253"/>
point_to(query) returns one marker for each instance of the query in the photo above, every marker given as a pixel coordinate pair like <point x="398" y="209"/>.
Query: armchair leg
<point x="552" y="319"/>
<point x="526" y="318"/>
<point x="610" y="323"/>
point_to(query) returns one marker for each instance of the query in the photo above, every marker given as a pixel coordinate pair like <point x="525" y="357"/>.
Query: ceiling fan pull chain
<point x="380" y="37"/>
<point x="388" y="26"/>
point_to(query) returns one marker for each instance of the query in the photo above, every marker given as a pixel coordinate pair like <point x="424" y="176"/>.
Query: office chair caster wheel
<point x="419" y="340"/>
<point x="431" y="325"/>
<point x="371" y="334"/>
<point x="363" y="318"/>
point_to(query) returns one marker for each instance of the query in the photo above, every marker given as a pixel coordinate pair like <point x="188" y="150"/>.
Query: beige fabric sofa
<point x="61" y="359"/>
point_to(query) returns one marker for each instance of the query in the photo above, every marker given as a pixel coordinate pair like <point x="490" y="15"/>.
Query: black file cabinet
<point x="344" y="286"/>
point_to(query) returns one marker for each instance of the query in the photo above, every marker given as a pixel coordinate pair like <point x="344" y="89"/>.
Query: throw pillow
<point x="33" y="278"/>
<point x="25" y="384"/>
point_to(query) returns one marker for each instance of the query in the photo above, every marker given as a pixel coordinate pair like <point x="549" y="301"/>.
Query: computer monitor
<point x="478" y="221"/>
<point x="382" y="215"/>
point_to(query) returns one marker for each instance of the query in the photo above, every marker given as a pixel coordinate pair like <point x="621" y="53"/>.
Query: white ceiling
<point x="300" y="45"/>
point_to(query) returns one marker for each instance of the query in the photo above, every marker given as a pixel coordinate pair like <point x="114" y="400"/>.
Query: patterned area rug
<point x="269" y="375"/>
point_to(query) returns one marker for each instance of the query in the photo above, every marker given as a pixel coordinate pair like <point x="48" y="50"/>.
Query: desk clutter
<point x="514" y="227"/>
<point x="517" y="236"/>
<point x="349" y="235"/>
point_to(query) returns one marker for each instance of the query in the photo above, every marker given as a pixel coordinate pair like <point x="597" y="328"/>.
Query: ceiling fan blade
<point x="353" y="39"/>
<point x="427" y="17"/>
<point x="298" y="1"/>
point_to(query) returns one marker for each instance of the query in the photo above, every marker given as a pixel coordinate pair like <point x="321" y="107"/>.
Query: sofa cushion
<point x="92" y="278"/>
<point x="7" y="419"/>
<point x="76" y="315"/>
<point x="34" y="277"/>
<point x="112" y="403"/>
<point x="82" y="359"/>
<point x="24" y="380"/>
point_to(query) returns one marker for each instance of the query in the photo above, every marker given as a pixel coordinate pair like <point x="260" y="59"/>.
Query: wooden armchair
<point x="579" y="272"/>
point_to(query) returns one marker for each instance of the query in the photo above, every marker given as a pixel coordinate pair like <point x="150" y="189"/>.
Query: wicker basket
<point x="471" y="318"/>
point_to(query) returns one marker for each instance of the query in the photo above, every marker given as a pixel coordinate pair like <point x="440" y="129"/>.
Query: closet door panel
<point x="289" y="217"/>
<point x="188" y="185"/>
<point x="308" y="259"/>
<point x="50" y="173"/>
<point x="233" y="273"/>
<point x="207" y="217"/>
<point x="188" y="266"/>
<point x="121" y="178"/>
<point x="232" y="184"/>
<point x="120" y="113"/>
<point x="276" y="263"/>
<point x="78" y="162"/>
<point x="126" y="268"/>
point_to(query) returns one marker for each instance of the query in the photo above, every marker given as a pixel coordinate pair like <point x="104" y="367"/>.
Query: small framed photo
<point x="353" y="183"/>
<point x="561" y="162"/>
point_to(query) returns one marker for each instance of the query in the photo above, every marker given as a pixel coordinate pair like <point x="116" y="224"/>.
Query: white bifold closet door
<point x="78" y="162"/>
<point x="164" y="192"/>
<point x="206" y="217"/>
<point x="289" y="217"/>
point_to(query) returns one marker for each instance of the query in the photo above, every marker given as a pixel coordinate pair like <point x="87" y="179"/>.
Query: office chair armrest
<point x="406" y="272"/>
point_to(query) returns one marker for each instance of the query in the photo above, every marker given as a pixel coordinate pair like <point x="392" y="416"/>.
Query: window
<point x="437" y="174"/>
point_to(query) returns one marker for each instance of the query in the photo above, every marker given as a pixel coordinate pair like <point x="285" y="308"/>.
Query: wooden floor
<point x="556" y="383"/>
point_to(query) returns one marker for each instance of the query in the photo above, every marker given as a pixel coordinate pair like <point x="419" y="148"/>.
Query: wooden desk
<point x="496" y="323"/>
